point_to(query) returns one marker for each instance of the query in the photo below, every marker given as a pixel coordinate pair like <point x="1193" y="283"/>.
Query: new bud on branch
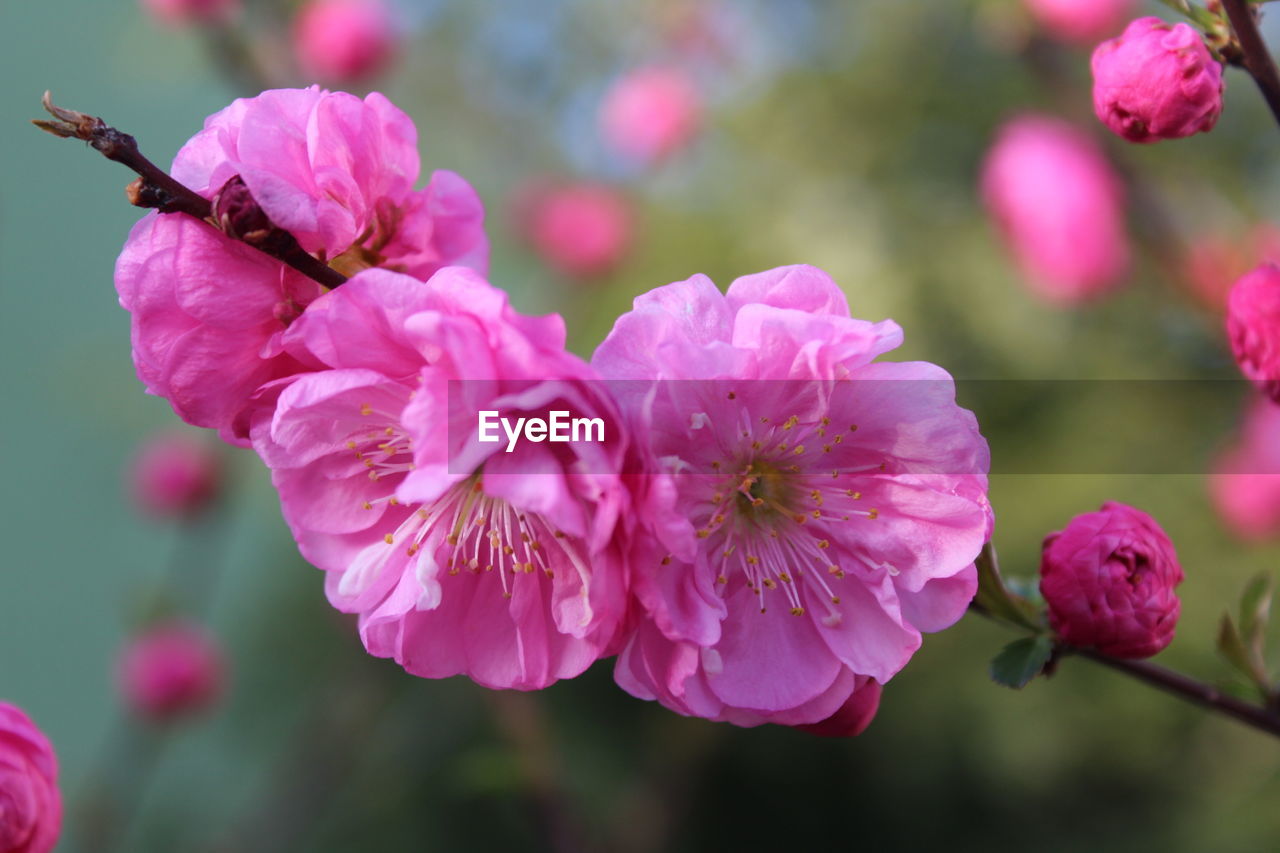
<point x="1156" y="81"/>
<point x="1253" y="327"/>
<point x="1060" y="207"/>
<point x="171" y="671"/>
<point x="1108" y="580"/>
<point x="175" y="474"/>
<point x="30" y="803"/>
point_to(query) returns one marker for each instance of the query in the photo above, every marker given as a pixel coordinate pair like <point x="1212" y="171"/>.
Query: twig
<point x="1255" y="57"/>
<point x="156" y="189"/>
<point x="1196" y="692"/>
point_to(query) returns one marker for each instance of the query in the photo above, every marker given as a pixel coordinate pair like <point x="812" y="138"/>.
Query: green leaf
<point x="1232" y="647"/>
<point x="995" y="597"/>
<point x="1255" y="611"/>
<point x="1021" y="661"/>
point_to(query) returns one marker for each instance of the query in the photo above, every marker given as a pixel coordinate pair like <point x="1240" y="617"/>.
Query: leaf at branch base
<point x="997" y="599"/>
<point x="1231" y="646"/>
<point x="1255" y="611"/>
<point x="1021" y="661"/>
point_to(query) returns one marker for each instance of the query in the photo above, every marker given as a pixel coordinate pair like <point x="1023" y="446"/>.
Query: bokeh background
<point x="847" y="135"/>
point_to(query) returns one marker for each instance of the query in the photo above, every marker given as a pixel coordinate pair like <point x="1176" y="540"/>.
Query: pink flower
<point x="177" y="12"/>
<point x="170" y="672"/>
<point x="1253" y="327"/>
<point x="175" y="474"/>
<point x="1108" y="579"/>
<point x="650" y="113"/>
<point x="334" y="170"/>
<point x="30" y="803"/>
<point x="580" y="230"/>
<point x="1156" y="81"/>
<point x="1060" y="207"/>
<point x="459" y="556"/>
<point x="1245" y="485"/>
<point x="1081" y="21"/>
<point x="832" y="507"/>
<point x="344" y="41"/>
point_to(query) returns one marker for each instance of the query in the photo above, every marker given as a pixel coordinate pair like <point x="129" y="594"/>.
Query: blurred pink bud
<point x="581" y="230"/>
<point x="1060" y="207"/>
<point x="344" y="41"/>
<point x="30" y="803"/>
<point x="1213" y="263"/>
<point x="1081" y="21"/>
<point x="175" y="473"/>
<point x="171" y="671"/>
<point x="650" y="113"/>
<point x="1156" y="81"/>
<point x="1253" y="327"/>
<point x="179" y="12"/>
<point x="1108" y="579"/>
<point x="1245" y="485"/>
<point x="853" y="717"/>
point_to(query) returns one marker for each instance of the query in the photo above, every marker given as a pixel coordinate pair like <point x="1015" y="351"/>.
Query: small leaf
<point x="994" y="597"/>
<point x="1255" y="610"/>
<point x="1232" y="647"/>
<point x="1021" y="661"/>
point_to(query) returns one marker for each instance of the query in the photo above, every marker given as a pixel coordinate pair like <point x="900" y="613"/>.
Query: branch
<point x="1256" y="59"/>
<point x="240" y="217"/>
<point x="1196" y="692"/>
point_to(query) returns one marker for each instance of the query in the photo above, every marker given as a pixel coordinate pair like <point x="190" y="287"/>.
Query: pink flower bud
<point x="1080" y="21"/>
<point x="1253" y="327"/>
<point x="179" y="12"/>
<point x="175" y="473"/>
<point x="581" y="230"/>
<point x="1108" y="580"/>
<point x="1156" y="81"/>
<point x="344" y="41"/>
<point x="1245" y="485"/>
<point x="1060" y="207"/>
<point x="650" y="113"/>
<point x="170" y="671"/>
<point x="30" y="803"/>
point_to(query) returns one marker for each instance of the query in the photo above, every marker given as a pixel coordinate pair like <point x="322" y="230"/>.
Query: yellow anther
<point x="366" y="409"/>
<point x="797" y="611"/>
<point x="873" y="514"/>
<point x="824" y="544"/>
<point x="389" y="539"/>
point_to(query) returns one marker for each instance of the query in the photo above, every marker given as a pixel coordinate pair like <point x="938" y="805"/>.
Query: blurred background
<point x="846" y="135"/>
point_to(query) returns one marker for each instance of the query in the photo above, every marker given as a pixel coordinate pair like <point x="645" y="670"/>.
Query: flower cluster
<point x="766" y="521"/>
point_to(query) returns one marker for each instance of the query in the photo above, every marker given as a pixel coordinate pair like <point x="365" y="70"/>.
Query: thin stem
<point x="1256" y="59"/>
<point x="156" y="189"/>
<point x="1184" y="686"/>
<point x="1196" y="692"/>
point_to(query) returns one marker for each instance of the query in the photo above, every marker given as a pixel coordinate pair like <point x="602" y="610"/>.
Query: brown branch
<point x="1255" y="57"/>
<point x="1196" y="692"/>
<point x="157" y="189"/>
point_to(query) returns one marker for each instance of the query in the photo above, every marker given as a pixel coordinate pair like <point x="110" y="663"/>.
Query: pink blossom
<point x="171" y="671"/>
<point x="1156" y="81"/>
<point x="1081" y="21"/>
<point x="650" y="113"/>
<point x="1060" y="207"/>
<point x="344" y="41"/>
<point x="1108" y="579"/>
<point x="334" y="170"/>
<point x="1253" y="327"/>
<point x="177" y="12"/>
<point x="457" y="556"/>
<point x="832" y="507"/>
<point x="30" y="803"/>
<point x="175" y="473"/>
<point x="581" y="230"/>
<point x="1245" y="485"/>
